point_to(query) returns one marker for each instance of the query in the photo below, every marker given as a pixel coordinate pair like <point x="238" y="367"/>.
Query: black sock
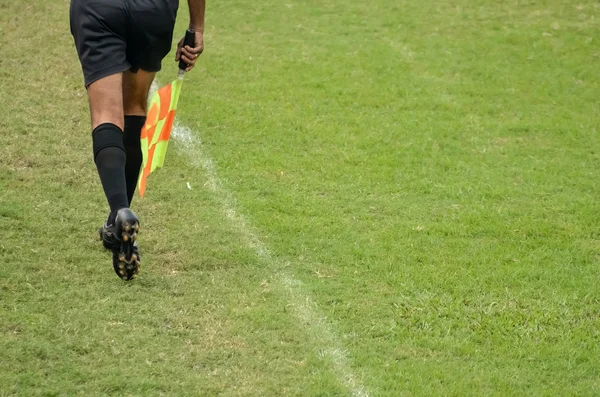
<point x="109" y="156"/>
<point x="131" y="141"/>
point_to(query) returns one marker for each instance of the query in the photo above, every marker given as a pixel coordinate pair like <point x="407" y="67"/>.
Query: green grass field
<point x="389" y="198"/>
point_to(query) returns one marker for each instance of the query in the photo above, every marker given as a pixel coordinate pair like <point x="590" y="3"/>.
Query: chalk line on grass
<point x="305" y="309"/>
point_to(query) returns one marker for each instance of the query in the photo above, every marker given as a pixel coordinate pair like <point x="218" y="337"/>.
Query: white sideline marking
<point x="305" y="308"/>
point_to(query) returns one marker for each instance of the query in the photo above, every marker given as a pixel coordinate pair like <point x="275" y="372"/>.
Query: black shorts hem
<point x="99" y="74"/>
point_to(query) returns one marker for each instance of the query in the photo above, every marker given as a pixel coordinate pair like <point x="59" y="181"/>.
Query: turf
<point x="427" y="171"/>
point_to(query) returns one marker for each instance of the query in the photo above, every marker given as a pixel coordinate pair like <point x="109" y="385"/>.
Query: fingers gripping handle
<point x="189" y="40"/>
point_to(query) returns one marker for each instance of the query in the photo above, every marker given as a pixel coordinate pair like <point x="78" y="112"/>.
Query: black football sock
<point x="131" y="141"/>
<point x="109" y="156"/>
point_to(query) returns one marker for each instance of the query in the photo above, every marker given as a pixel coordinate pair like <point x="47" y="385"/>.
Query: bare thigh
<point x="106" y="100"/>
<point x="135" y="92"/>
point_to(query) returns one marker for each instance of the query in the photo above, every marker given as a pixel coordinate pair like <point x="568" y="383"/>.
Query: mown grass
<point x="428" y="170"/>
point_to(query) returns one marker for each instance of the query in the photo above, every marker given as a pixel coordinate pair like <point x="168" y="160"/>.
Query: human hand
<point x="188" y="54"/>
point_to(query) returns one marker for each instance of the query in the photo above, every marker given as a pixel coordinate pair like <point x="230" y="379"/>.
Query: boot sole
<point x="126" y="259"/>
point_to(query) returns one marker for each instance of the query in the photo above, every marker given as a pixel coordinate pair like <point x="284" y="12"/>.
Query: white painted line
<point x="305" y="309"/>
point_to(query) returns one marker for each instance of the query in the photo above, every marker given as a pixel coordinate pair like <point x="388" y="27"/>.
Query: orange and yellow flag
<point x="157" y="130"/>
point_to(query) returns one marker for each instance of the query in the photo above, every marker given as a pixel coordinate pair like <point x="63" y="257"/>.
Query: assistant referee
<point x="121" y="44"/>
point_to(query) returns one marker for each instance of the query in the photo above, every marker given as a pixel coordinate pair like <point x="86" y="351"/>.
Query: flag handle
<point x="188" y="40"/>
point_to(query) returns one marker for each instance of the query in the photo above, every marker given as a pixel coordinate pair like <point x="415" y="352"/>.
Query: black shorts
<point x="113" y="36"/>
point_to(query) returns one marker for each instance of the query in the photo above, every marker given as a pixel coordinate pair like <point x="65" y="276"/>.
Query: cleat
<point x="122" y="242"/>
<point x="120" y="239"/>
<point x="107" y="235"/>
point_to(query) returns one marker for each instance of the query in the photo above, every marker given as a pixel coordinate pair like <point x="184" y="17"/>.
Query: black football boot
<point x="121" y="239"/>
